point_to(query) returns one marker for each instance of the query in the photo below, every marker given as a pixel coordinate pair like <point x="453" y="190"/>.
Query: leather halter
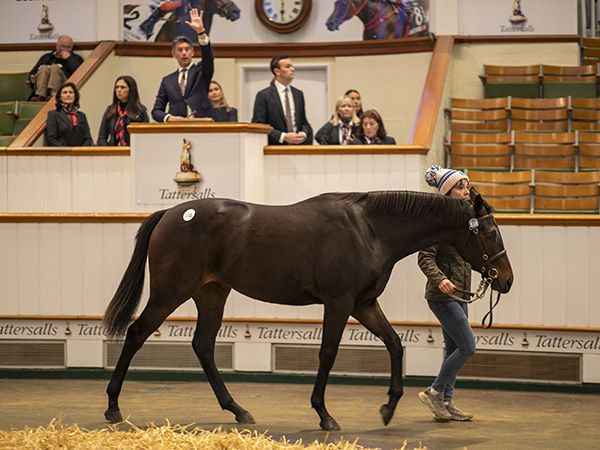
<point x="492" y="272"/>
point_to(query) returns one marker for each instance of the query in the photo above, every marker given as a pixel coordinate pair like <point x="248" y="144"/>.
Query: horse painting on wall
<point x="383" y="19"/>
<point x="166" y="18"/>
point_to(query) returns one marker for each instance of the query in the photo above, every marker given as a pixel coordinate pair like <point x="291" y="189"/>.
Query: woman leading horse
<point x="337" y="250"/>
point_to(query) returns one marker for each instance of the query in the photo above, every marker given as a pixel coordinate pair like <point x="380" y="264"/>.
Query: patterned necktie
<point x="346" y="133"/>
<point x="182" y="81"/>
<point x="288" y="112"/>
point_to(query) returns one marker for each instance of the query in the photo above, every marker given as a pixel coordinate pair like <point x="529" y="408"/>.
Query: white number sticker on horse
<point x="189" y="215"/>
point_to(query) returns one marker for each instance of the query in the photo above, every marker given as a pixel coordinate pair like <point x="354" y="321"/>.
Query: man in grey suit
<point x="282" y="106"/>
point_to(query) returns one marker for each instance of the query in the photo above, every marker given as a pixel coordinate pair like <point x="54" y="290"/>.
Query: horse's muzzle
<point x="332" y="25"/>
<point x="503" y="285"/>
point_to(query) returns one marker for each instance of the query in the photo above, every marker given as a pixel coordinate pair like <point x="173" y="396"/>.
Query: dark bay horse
<point x="383" y="19"/>
<point x="337" y="250"/>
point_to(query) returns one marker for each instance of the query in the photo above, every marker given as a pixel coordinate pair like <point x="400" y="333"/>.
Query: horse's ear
<point x="477" y="199"/>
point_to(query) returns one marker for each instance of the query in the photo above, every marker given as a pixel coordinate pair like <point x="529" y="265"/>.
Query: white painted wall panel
<point x="28" y="268"/>
<point x="529" y="275"/>
<point x="74" y="269"/>
<point x="593" y="268"/>
<point x="554" y="277"/>
<point x="9" y="268"/>
<point x="577" y="280"/>
<point x="49" y="267"/>
<point x="71" y="264"/>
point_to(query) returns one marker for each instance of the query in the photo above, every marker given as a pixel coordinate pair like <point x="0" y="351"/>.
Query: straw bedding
<point x="171" y="437"/>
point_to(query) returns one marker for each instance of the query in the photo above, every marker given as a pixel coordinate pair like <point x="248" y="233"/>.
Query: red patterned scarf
<point x="71" y="111"/>
<point x="120" y="124"/>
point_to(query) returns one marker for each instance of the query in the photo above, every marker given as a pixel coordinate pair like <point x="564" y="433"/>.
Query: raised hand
<point x="196" y="21"/>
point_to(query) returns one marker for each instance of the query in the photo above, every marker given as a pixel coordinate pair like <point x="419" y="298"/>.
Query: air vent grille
<point x="349" y="360"/>
<point x="527" y="366"/>
<point x="32" y="354"/>
<point x="168" y="356"/>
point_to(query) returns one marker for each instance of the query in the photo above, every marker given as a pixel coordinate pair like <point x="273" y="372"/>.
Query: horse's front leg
<point x="334" y="322"/>
<point x="373" y="319"/>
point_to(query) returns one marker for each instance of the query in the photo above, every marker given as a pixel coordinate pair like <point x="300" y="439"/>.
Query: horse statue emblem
<point x="337" y="250"/>
<point x="383" y="19"/>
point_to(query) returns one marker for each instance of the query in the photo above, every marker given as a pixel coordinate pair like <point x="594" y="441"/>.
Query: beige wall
<point x="11" y="62"/>
<point x="468" y="61"/>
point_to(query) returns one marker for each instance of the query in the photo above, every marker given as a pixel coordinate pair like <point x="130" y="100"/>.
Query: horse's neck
<point x="403" y="236"/>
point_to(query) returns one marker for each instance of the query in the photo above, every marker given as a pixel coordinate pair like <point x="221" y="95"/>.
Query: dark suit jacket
<point x="106" y="135"/>
<point x="268" y="109"/>
<point x="60" y="133"/>
<point x="222" y="115"/>
<point x="388" y="140"/>
<point x="329" y="134"/>
<point x="69" y="65"/>
<point x="196" y="90"/>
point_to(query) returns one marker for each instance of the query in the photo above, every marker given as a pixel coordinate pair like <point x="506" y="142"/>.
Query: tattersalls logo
<point x="188" y="179"/>
<point x="45" y="27"/>
<point x="517" y="20"/>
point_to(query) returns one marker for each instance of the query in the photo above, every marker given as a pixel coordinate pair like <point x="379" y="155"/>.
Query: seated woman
<point x="356" y="101"/>
<point x="342" y="127"/>
<point x="223" y="112"/>
<point x="372" y="130"/>
<point x="67" y="126"/>
<point x="125" y="108"/>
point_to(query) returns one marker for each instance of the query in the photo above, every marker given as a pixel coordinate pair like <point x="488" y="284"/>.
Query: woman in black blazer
<point x="342" y="127"/>
<point x="223" y="112"/>
<point x="372" y="131"/>
<point x="125" y="108"/>
<point x="67" y="126"/>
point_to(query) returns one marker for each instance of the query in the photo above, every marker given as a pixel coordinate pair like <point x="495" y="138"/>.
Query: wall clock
<point x="283" y="16"/>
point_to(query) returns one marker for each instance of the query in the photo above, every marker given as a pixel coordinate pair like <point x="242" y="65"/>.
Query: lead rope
<point x="479" y="293"/>
<point x="490" y="313"/>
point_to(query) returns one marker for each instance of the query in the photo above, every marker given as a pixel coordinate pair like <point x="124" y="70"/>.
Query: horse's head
<point x="482" y="245"/>
<point x="228" y="10"/>
<point x="344" y="10"/>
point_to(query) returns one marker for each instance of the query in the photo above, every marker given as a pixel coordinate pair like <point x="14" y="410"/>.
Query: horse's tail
<point x="127" y="298"/>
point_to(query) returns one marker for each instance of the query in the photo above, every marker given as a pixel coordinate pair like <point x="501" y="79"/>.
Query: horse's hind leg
<point x="334" y="321"/>
<point x="153" y="315"/>
<point x="210" y="302"/>
<point x="373" y="319"/>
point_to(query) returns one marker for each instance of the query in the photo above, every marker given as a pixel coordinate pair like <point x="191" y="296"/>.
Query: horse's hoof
<point x="245" y="418"/>
<point x="386" y="413"/>
<point x="113" y="415"/>
<point x="329" y="424"/>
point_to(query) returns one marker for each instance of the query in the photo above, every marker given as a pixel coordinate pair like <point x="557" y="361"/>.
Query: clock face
<point x="282" y="11"/>
<point x="283" y="16"/>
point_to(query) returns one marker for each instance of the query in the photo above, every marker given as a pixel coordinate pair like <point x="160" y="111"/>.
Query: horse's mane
<point x="411" y="204"/>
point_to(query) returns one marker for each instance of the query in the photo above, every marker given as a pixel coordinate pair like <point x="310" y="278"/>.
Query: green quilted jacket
<point x="443" y="261"/>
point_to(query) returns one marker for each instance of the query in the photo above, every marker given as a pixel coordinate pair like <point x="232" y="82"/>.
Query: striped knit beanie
<point x="443" y="179"/>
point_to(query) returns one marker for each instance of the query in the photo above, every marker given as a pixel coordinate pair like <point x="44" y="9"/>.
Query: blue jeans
<point x="459" y="343"/>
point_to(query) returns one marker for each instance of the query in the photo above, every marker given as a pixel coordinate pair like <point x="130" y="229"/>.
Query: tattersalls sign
<point x="411" y="336"/>
<point x="517" y="17"/>
<point x="45" y="20"/>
